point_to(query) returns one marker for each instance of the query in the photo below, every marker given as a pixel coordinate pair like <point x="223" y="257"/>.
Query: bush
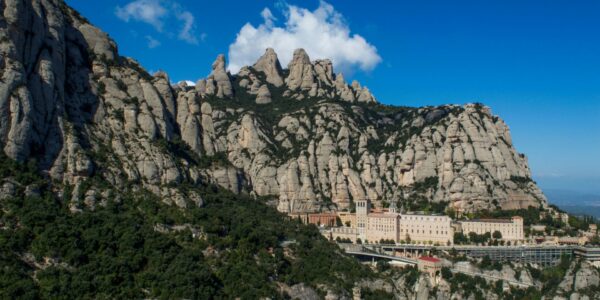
<point x="446" y="273"/>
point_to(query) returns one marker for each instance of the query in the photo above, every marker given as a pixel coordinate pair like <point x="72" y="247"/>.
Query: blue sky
<point x="535" y="63"/>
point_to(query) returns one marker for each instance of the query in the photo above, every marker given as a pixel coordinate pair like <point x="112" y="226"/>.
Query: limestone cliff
<point x="301" y="135"/>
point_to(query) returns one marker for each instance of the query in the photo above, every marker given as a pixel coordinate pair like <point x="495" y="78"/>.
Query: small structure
<point x="356" y="294"/>
<point x="429" y="265"/>
<point x="538" y="228"/>
<point x="593" y="229"/>
<point x="572" y="240"/>
<point x="344" y="233"/>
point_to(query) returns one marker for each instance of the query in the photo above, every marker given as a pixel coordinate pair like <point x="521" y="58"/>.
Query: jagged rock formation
<point x="269" y="64"/>
<point x="301" y="135"/>
<point x="580" y="282"/>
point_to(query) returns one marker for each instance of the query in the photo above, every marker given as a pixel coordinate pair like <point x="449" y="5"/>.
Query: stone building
<point x="382" y="226"/>
<point x="429" y="265"/>
<point x="327" y="219"/>
<point x="322" y="219"/>
<point x="511" y="229"/>
<point x="344" y="233"/>
<point x="426" y="229"/>
<point x="348" y="219"/>
<point x="390" y="225"/>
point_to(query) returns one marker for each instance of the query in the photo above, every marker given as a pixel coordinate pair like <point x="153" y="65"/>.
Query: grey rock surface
<point x="302" y="136"/>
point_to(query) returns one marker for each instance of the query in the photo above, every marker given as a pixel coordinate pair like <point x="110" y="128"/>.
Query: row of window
<point x="423" y="231"/>
<point x="426" y="218"/>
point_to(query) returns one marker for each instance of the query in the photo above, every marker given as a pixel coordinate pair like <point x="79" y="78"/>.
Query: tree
<point x="460" y="238"/>
<point x="499" y="287"/>
<point x="497" y="235"/>
<point x="486" y="262"/>
<point x="383" y="266"/>
<point x="446" y="273"/>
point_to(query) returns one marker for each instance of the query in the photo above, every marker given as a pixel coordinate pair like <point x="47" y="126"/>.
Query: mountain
<point x="115" y="183"/>
<point x="301" y="136"/>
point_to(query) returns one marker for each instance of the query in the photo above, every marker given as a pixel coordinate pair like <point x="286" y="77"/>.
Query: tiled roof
<point x="429" y="258"/>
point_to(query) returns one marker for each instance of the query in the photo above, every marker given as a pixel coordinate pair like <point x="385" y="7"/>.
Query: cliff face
<point x="300" y="135"/>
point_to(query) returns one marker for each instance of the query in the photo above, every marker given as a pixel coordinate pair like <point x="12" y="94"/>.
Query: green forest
<point x="48" y="252"/>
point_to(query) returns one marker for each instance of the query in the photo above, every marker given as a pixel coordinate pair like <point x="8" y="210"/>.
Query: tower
<point x="363" y="207"/>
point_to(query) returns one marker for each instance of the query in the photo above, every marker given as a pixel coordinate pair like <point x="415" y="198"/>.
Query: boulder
<point x="263" y="96"/>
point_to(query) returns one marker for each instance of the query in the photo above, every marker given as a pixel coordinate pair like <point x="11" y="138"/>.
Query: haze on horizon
<point x="535" y="64"/>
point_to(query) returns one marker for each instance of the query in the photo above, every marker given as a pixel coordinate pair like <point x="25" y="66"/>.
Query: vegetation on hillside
<point x="116" y="252"/>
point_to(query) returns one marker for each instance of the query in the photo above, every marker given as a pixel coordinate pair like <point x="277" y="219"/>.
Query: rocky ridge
<point x="302" y="135"/>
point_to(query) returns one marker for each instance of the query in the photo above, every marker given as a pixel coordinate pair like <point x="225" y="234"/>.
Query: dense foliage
<point x="239" y="248"/>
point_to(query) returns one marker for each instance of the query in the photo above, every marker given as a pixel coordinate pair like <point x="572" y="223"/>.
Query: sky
<point x="535" y="63"/>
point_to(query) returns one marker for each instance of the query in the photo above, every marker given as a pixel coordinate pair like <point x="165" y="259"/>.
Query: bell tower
<point x="363" y="207"/>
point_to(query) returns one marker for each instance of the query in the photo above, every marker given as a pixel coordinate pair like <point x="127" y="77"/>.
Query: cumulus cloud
<point x="147" y="11"/>
<point x="163" y="15"/>
<point x="323" y="33"/>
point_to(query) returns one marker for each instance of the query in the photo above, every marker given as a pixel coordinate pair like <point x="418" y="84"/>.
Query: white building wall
<point x="426" y="229"/>
<point x="511" y="230"/>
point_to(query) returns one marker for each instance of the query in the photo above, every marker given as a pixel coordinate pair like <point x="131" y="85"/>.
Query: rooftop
<point x="429" y="258"/>
<point x="490" y="220"/>
<point x="383" y="215"/>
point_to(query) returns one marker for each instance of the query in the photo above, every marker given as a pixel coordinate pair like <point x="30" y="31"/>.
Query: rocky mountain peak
<point x="301" y="72"/>
<point x="300" y="57"/>
<point x="218" y="82"/>
<point x="269" y="64"/>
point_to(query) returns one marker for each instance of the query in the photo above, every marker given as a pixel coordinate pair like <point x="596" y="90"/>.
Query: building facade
<point x="429" y="265"/>
<point x="323" y="219"/>
<point x="511" y="229"/>
<point x="348" y="219"/>
<point x="382" y="226"/>
<point x="390" y="225"/>
<point x="426" y="229"/>
<point x="326" y="219"/>
<point x="344" y="233"/>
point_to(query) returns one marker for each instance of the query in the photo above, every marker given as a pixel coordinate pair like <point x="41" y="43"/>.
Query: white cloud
<point x="147" y="11"/>
<point x="187" y="32"/>
<point x="323" y="33"/>
<point x="152" y="42"/>
<point x="163" y="15"/>
<point x="268" y="17"/>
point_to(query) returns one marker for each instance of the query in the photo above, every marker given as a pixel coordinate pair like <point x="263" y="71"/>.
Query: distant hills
<point x="575" y="202"/>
